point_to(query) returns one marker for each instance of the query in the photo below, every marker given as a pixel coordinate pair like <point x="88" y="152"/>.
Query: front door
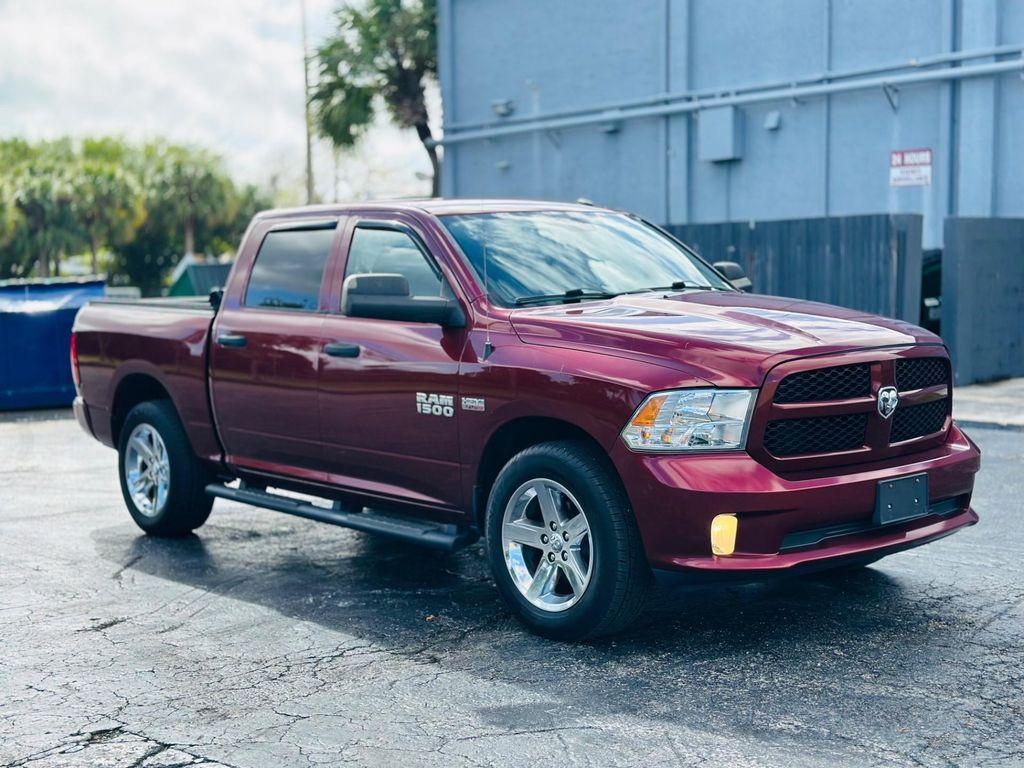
<point x="389" y="389"/>
<point x="264" y="352"/>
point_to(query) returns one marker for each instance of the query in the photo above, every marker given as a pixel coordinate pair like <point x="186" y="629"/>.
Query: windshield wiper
<point x="579" y="294"/>
<point x="572" y="295"/>
<point x="684" y="285"/>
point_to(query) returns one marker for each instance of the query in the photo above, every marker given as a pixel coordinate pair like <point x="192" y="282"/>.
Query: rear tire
<point x="162" y="481"/>
<point x="563" y="544"/>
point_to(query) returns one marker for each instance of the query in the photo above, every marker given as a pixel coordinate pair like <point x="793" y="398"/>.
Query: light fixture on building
<point x="503" y="107"/>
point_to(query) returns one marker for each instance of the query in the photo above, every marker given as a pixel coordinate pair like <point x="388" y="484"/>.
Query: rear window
<point x="289" y="269"/>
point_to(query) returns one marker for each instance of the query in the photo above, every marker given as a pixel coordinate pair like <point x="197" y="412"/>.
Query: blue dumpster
<point x="35" y="337"/>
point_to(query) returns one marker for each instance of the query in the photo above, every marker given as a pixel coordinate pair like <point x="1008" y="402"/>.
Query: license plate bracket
<point x="901" y="499"/>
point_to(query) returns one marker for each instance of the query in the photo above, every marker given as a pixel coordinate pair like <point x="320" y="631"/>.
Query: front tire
<point x="162" y="481"/>
<point x="563" y="544"/>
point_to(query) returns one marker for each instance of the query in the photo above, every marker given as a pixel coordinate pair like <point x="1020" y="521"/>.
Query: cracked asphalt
<point x="271" y="641"/>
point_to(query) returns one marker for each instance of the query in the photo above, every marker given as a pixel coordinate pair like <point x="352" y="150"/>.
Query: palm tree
<point x="385" y="47"/>
<point x="109" y="205"/>
<point x="191" y="185"/>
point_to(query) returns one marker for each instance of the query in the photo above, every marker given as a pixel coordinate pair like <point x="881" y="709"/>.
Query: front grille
<point x="920" y="372"/>
<point x="829" y="416"/>
<point x="918" y="420"/>
<point x="837" y="383"/>
<point x="823" y="434"/>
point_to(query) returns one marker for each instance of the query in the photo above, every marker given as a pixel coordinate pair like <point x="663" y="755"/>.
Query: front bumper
<point x="676" y="497"/>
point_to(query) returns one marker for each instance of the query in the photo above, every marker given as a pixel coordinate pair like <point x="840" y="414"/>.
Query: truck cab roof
<point x="435" y="206"/>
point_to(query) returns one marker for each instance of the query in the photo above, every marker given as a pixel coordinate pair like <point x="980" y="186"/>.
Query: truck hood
<point x="724" y="338"/>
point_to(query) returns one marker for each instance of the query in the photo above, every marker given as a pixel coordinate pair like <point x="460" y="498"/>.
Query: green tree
<point x="109" y="205"/>
<point x="223" y="234"/>
<point x="192" y="186"/>
<point x="44" y="194"/>
<point x="9" y="217"/>
<point x="145" y="260"/>
<point x="34" y="227"/>
<point x="386" y="47"/>
<point x="13" y="153"/>
<point x="191" y="206"/>
<point x="147" y="204"/>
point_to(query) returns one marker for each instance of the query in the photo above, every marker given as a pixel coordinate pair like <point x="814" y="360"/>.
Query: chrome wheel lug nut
<point x="565" y="555"/>
<point x="565" y="535"/>
<point x="551" y="557"/>
<point x="543" y="538"/>
<point x="553" y="526"/>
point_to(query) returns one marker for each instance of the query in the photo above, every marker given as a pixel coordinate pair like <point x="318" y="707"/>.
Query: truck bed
<point x="196" y="303"/>
<point x="165" y="339"/>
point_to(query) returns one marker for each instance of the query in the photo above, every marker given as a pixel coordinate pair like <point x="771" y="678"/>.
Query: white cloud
<point x="226" y="74"/>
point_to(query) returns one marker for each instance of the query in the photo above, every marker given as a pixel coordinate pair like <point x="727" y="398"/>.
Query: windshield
<point x="553" y="255"/>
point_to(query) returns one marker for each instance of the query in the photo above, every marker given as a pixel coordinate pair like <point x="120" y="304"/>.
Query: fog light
<point x="723" y="534"/>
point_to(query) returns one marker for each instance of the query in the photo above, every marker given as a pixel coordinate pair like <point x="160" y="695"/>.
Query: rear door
<point x="265" y="349"/>
<point x="389" y="404"/>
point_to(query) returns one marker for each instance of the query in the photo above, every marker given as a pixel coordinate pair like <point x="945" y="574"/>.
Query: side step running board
<point x="425" y="532"/>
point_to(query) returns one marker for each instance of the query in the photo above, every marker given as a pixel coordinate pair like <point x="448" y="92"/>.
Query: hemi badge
<point x="473" y="404"/>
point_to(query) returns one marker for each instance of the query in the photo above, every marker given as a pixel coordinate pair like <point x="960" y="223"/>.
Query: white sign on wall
<point x="910" y="168"/>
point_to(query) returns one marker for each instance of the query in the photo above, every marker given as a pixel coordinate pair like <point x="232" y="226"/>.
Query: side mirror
<point x="216" y="297"/>
<point x="734" y="273"/>
<point x="386" y="297"/>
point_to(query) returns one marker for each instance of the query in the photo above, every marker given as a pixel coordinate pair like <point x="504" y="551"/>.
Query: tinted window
<point x="289" y="269"/>
<point x="392" y="252"/>
<point x="549" y="252"/>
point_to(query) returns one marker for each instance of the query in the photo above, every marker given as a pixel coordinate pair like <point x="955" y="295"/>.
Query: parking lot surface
<point x="265" y="640"/>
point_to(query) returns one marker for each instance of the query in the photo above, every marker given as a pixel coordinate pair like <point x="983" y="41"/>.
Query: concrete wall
<point x="607" y="99"/>
<point x="983" y="298"/>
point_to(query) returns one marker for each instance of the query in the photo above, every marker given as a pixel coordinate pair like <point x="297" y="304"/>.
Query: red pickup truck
<point x="569" y="382"/>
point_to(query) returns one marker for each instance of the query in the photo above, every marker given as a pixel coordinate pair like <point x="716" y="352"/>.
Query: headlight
<point x="691" y="420"/>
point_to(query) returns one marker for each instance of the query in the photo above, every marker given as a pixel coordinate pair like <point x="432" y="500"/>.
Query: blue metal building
<point x="692" y="111"/>
<point x="699" y="112"/>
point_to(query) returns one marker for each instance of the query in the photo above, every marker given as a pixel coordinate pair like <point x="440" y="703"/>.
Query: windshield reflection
<point x="551" y="252"/>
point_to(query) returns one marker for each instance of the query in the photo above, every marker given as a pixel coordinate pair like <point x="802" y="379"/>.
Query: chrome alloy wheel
<point x="147" y="470"/>
<point x="547" y="544"/>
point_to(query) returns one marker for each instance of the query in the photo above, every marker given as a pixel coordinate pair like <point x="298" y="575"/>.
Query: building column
<point x="976" y="169"/>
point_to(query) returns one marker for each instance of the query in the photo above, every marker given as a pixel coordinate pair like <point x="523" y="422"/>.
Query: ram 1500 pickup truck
<point x="568" y="382"/>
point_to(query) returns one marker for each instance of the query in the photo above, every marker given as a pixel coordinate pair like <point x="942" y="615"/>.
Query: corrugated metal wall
<point x="871" y="263"/>
<point x="606" y="96"/>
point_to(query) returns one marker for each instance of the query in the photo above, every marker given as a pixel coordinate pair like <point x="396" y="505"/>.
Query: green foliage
<point x="10" y="216"/>
<point x="42" y="193"/>
<point x="109" y="204"/>
<point x="224" y="233"/>
<point x="145" y="205"/>
<point x="386" y="47"/>
<point x="190" y="185"/>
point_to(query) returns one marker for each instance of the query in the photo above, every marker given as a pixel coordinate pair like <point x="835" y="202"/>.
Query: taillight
<point x="74" y="360"/>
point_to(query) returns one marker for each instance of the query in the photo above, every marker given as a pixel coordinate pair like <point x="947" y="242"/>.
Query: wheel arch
<point x="517" y="435"/>
<point x="133" y="389"/>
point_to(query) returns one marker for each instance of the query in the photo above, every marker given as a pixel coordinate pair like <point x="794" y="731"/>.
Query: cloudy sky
<point x="226" y="74"/>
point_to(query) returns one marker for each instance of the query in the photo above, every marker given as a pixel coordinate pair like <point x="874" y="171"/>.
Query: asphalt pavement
<point x="266" y="640"/>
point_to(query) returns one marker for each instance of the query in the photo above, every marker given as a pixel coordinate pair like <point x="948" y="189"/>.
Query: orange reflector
<point x="645" y="416"/>
<point x="723" y="534"/>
